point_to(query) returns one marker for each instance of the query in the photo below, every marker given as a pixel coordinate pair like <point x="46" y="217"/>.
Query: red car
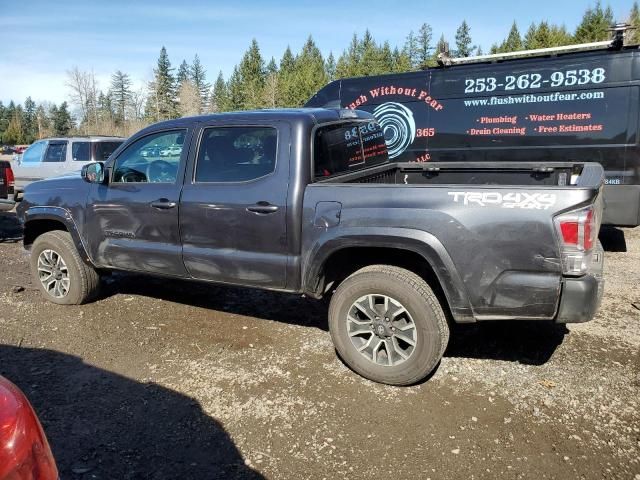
<point x="24" y="450"/>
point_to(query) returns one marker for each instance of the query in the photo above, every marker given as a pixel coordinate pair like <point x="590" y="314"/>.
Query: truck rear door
<point x="233" y="204"/>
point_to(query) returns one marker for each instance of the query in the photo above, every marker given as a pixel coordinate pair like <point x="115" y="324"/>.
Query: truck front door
<point x="132" y="220"/>
<point x="233" y="206"/>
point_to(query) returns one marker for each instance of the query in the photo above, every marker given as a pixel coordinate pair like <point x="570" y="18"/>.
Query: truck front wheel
<point x="387" y="325"/>
<point x="59" y="272"/>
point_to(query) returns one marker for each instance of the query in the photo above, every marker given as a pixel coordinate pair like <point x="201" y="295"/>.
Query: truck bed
<point x="477" y="173"/>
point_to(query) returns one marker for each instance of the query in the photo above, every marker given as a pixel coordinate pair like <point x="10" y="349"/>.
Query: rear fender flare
<point x="417" y="241"/>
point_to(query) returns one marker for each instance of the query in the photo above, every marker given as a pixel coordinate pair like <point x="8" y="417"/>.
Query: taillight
<point x="24" y="451"/>
<point x="9" y="178"/>
<point x="578" y="232"/>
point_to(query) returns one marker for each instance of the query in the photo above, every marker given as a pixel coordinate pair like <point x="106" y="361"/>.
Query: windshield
<point x="347" y="147"/>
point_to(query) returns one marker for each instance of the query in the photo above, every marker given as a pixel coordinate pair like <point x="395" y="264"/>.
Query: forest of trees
<point x="260" y="83"/>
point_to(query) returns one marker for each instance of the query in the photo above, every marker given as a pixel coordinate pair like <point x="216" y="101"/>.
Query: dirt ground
<point x="167" y="379"/>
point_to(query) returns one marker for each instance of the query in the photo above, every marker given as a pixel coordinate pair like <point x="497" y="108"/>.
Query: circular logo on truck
<point x="398" y="125"/>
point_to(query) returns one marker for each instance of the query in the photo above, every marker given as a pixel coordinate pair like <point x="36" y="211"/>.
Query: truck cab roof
<point x="312" y="115"/>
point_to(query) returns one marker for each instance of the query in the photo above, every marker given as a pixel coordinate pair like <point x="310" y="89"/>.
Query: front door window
<point x="151" y="159"/>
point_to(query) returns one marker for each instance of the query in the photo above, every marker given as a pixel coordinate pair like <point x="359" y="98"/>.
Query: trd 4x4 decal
<point x="537" y="201"/>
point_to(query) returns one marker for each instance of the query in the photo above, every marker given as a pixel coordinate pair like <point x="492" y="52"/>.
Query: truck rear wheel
<point x="387" y="325"/>
<point x="59" y="272"/>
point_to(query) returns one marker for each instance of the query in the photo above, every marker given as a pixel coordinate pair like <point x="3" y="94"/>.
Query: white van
<point x="52" y="157"/>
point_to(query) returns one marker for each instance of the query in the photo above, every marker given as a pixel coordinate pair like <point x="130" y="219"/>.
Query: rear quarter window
<point x="347" y="147"/>
<point x="103" y="150"/>
<point x="81" y="151"/>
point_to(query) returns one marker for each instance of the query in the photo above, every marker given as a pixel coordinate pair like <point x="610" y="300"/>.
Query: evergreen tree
<point x="183" y="73"/>
<point x="105" y="107"/>
<point x="463" y="40"/>
<point x="120" y="95"/>
<point x="400" y="61"/>
<point x="272" y="66"/>
<point x="559" y="36"/>
<point x="424" y="50"/>
<point x="330" y="67"/>
<point x="349" y="61"/>
<point x="251" y="78"/>
<point x="372" y="58"/>
<point x="219" y="96"/>
<point x="545" y="36"/>
<point x="161" y="101"/>
<point x="310" y="74"/>
<point x="235" y="92"/>
<point x="29" y="120"/>
<point x="14" y="134"/>
<point x="62" y="120"/>
<point x="286" y="79"/>
<point x="411" y="49"/>
<point x="594" y="24"/>
<point x="271" y="86"/>
<point x="198" y="77"/>
<point x="386" y="58"/>
<point x="479" y="51"/>
<point x="513" y="43"/>
<point x="288" y="61"/>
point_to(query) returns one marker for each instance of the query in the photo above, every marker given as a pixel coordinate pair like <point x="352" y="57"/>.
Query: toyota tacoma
<point x="307" y="201"/>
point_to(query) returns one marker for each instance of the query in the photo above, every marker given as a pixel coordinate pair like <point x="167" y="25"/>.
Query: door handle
<point x="163" y="204"/>
<point x="262" y="208"/>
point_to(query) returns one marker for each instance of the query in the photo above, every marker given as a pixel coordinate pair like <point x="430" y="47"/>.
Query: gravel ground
<point x="167" y="379"/>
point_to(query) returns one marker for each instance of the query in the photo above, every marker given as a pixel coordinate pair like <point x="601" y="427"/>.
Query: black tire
<point x="430" y="331"/>
<point x="84" y="281"/>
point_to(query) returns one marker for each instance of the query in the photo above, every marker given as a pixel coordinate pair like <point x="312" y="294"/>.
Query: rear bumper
<point x="581" y="296"/>
<point x="622" y="205"/>
<point x="6" y="205"/>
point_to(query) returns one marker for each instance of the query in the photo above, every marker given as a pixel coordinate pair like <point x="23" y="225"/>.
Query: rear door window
<point x="347" y="147"/>
<point x="236" y="154"/>
<point x="56" y="152"/>
<point x="81" y="151"/>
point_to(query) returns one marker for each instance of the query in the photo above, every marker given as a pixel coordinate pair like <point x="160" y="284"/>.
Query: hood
<point x="61" y="191"/>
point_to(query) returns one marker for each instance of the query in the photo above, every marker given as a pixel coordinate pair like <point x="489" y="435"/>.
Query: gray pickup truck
<point x="307" y="201"/>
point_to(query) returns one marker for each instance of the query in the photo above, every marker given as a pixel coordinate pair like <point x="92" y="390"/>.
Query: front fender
<point x="34" y="217"/>
<point x="417" y="241"/>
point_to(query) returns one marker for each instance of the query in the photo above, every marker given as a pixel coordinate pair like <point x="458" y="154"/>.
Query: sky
<point x="41" y="40"/>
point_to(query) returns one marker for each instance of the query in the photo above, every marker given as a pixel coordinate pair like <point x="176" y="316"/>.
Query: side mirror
<point x="93" y="172"/>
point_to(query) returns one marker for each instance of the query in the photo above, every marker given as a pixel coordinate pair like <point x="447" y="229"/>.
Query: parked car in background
<point x="6" y="187"/>
<point x="7" y="150"/>
<point x="55" y="156"/>
<point x="19" y="149"/>
<point x="24" y="450"/>
<point x="171" y="151"/>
